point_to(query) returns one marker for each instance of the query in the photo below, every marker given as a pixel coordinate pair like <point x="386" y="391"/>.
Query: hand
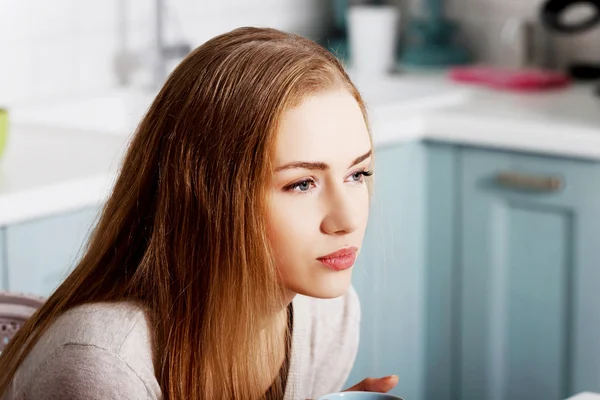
<point x="382" y="385"/>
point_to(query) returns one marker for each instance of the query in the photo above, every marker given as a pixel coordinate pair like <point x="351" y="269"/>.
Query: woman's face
<point x="319" y="202"/>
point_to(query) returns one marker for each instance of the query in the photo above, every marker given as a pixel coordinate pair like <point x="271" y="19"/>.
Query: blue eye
<point x="357" y="176"/>
<point x="302" y="187"/>
<point x="360" y="176"/>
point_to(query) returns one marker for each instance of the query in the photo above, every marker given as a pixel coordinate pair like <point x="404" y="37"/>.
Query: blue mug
<point x="359" y="396"/>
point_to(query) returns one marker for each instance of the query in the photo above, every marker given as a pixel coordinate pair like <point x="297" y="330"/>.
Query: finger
<point x="375" y="384"/>
<point x="360" y="386"/>
<point x="386" y="384"/>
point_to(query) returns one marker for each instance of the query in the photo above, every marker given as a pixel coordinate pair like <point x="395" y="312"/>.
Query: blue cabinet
<point x="527" y="300"/>
<point x="39" y="254"/>
<point x="479" y="275"/>
<point x="441" y="253"/>
<point x="389" y="275"/>
<point x="512" y="275"/>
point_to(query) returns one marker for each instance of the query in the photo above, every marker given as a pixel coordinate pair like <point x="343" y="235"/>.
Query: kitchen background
<point x="62" y="47"/>
<point x="480" y="269"/>
<point x="69" y="46"/>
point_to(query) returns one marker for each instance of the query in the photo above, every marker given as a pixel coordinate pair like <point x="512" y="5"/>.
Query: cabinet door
<point x="389" y="277"/>
<point x="41" y="253"/>
<point x="529" y="277"/>
<point x="441" y="252"/>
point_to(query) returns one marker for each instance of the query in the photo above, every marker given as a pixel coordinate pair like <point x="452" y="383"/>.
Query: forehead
<point x="326" y="127"/>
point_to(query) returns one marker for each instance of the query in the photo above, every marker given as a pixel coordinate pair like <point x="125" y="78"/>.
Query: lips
<point x="341" y="259"/>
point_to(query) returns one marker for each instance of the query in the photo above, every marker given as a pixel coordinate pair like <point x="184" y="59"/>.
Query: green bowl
<point x="3" y="130"/>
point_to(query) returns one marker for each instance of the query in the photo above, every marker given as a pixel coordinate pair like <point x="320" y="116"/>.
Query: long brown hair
<point x="183" y="233"/>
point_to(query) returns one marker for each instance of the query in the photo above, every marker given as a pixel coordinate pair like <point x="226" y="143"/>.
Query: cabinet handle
<point x="534" y="183"/>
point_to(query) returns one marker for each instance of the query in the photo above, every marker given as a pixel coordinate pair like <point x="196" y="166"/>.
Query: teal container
<point x="433" y="41"/>
<point x="337" y="40"/>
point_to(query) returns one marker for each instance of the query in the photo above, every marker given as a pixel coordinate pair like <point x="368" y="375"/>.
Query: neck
<point x="280" y="314"/>
<point x="287" y="296"/>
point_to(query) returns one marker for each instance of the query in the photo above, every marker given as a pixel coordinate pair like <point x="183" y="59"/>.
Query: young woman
<point x="220" y="267"/>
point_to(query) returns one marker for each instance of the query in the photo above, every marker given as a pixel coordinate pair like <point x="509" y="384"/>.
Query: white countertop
<point x="47" y="171"/>
<point x="64" y="155"/>
<point x="564" y="123"/>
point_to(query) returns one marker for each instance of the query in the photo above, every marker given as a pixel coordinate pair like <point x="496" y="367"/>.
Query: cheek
<point x="362" y="209"/>
<point x="294" y="224"/>
<point x="293" y="227"/>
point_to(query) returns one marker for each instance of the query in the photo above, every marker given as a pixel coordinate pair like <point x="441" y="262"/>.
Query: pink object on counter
<point x="520" y="80"/>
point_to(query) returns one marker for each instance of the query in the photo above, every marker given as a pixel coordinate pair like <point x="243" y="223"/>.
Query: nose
<point x="340" y="218"/>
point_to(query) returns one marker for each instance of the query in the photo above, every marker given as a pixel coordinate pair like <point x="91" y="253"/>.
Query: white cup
<point x="372" y="37"/>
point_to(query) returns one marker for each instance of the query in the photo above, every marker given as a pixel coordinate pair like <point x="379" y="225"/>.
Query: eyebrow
<point x="320" y="165"/>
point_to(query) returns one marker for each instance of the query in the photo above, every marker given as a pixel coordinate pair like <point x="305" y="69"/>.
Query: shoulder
<point x="77" y="371"/>
<point x="122" y="328"/>
<point x="96" y="348"/>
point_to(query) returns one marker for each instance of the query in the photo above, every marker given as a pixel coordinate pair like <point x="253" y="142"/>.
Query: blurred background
<point x="55" y="48"/>
<point x="480" y="273"/>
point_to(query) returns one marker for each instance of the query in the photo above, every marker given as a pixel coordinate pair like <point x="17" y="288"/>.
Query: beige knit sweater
<point x="103" y="351"/>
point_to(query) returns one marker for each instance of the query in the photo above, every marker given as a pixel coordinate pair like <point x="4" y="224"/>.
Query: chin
<point x="329" y="286"/>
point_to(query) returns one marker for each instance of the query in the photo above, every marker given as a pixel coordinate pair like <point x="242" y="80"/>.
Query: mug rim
<point x="389" y="396"/>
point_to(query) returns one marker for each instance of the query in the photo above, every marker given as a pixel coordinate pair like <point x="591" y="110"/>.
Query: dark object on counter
<point x="584" y="71"/>
<point x="552" y="16"/>
<point x="434" y="40"/>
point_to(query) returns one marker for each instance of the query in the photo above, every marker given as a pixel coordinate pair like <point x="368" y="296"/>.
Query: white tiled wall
<point x="482" y="21"/>
<point x="52" y="48"/>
